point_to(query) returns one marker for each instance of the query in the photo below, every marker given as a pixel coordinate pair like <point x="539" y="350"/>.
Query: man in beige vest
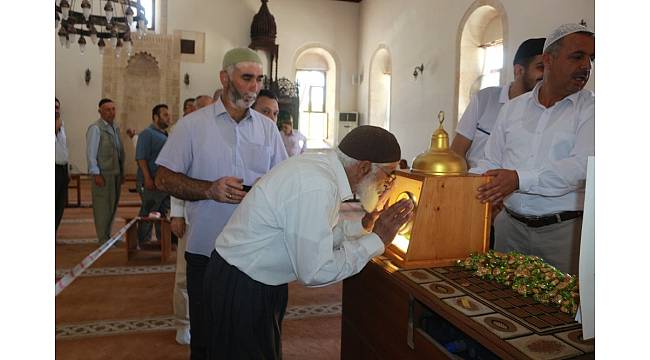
<point x="105" y="155"/>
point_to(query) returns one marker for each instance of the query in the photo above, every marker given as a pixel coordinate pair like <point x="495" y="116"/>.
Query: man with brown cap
<point x="208" y="159"/>
<point x="287" y="228"/>
<point x="537" y="155"/>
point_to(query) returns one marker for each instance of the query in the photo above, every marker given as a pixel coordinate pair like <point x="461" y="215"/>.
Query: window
<point x="149" y="12"/>
<point x="492" y="64"/>
<point x="313" y="117"/>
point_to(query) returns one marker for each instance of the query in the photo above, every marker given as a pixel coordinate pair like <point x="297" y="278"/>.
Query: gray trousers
<point x="105" y="201"/>
<point x="151" y="201"/>
<point x="558" y="244"/>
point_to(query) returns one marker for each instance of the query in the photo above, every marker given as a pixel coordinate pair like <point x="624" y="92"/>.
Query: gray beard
<point x="238" y="99"/>
<point x="368" y="194"/>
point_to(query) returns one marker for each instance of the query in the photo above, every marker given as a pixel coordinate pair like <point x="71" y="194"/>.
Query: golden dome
<point x="439" y="160"/>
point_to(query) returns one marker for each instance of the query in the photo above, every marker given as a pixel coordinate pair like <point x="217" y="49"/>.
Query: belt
<point x="539" y="221"/>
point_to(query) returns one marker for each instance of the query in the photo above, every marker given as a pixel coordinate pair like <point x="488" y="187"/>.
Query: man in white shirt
<point x="476" y="123"/>
<point x="61" y="176"/>
<point x="179" y="224"/>
<point x="287" y="228"/>
<point x="537" y="155"/>
<point x="293" y="140"/>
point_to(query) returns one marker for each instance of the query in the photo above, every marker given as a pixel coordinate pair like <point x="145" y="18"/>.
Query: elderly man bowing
<point x="208" y="158"/>
<point x="538" y="153"/>
<point x="287" y="228"/>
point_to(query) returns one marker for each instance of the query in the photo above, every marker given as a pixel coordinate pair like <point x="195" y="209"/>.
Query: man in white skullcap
<point x="537" y="155"/>
<point x="287" y="229"/>
<point x="208" y="159"/>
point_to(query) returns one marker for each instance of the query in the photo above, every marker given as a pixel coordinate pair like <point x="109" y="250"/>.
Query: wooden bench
<point x="165" y="242"/>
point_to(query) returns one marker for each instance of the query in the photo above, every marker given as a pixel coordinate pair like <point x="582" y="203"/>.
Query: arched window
<point x="379" y="89"/>
<point x="481" y="37"/>
<point x="316" y="78"/>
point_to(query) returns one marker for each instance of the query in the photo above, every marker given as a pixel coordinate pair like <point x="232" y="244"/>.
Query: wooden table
<point x="165" y="242"/>
<point x="389" y="313"/>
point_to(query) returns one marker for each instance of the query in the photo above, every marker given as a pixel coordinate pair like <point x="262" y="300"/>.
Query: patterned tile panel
<point x="122" y="270"/>
<point x="65" y="241"/>
<point x="114" y="327"/>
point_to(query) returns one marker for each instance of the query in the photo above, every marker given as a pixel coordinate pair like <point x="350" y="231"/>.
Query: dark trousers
<point x="151" y="201"/>
<point x="196" y="265"/>
<point x="244" y="316"/>
<point x="61" y="181"/>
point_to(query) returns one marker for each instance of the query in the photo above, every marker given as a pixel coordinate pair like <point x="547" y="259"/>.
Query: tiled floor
<point x="121" y="309"/>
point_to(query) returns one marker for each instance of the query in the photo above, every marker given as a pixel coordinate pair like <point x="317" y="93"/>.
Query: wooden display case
<point x="391" y="313"/>
<point x="449" y="221"/>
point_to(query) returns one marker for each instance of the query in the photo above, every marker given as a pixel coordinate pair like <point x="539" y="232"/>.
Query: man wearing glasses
<point x="287" y="228"/>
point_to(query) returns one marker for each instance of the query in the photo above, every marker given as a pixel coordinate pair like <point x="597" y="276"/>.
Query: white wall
<point x="426" y="31"/>
<point x="78" y="101"/>
<point x="226" y="23"/>
<point x="414" y="32"/>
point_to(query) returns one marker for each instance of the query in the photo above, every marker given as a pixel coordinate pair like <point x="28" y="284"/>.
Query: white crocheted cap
<point x="563" y="31"/>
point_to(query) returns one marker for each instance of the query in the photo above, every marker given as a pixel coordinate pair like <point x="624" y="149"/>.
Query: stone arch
<point x="333" y="81"/>
<point x="379" y="88"/>
<point x="479" y="17"/>
<point x="138" y="82"/>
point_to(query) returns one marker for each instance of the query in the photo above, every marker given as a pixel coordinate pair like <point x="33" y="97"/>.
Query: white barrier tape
<point x="90" y="259"/>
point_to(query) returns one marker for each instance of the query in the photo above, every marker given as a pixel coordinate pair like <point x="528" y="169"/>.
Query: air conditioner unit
<point x="349" y="117"/>
<point x="347" y="122"/>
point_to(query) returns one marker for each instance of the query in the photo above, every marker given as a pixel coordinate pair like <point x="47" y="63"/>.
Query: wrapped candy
<point x="527" y="275"/>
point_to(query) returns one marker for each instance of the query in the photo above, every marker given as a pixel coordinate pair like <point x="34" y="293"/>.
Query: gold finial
<point x="439" y="160"/>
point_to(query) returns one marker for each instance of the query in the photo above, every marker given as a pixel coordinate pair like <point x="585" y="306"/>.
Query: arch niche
<point x="484" y="21"/>
<point x="319" y="57"/>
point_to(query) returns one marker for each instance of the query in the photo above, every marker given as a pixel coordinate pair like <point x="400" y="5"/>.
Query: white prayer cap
<point x="563" y="31"/>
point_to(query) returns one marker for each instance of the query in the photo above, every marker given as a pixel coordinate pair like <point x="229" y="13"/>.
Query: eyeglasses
<point x="390" y="176"/>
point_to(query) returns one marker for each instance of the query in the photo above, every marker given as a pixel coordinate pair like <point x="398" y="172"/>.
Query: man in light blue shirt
<point x="105" y="155"/>
<point x="209" y="157"/>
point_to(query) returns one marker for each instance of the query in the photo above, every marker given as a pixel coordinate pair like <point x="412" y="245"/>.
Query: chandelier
<point x="85" y="20"/>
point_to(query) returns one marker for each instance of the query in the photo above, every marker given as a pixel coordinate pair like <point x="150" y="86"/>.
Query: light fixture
<point x="86" y="7"/>
<point x="186" y="79"/>
<point x="101" y="45"/>
<point x="110" y="20"/>
<point x="418" y="71"/>
<point x="87" y="76"/>
<point x="82" y="44"/>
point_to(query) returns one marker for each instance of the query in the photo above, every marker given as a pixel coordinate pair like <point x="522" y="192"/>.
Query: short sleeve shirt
<point x="150" y="142"/>
<point x="479" y="117"/>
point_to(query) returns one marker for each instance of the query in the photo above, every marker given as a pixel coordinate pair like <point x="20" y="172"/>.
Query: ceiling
<point x="356" y="1"/>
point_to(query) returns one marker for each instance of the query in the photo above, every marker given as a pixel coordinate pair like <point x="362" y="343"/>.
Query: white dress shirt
<point x="287" y="228"/>
<point x="296" y="143"/>
<point x="478" y="119"/>
<point x="548" y="147"/>
<point x="61" y="148"/>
